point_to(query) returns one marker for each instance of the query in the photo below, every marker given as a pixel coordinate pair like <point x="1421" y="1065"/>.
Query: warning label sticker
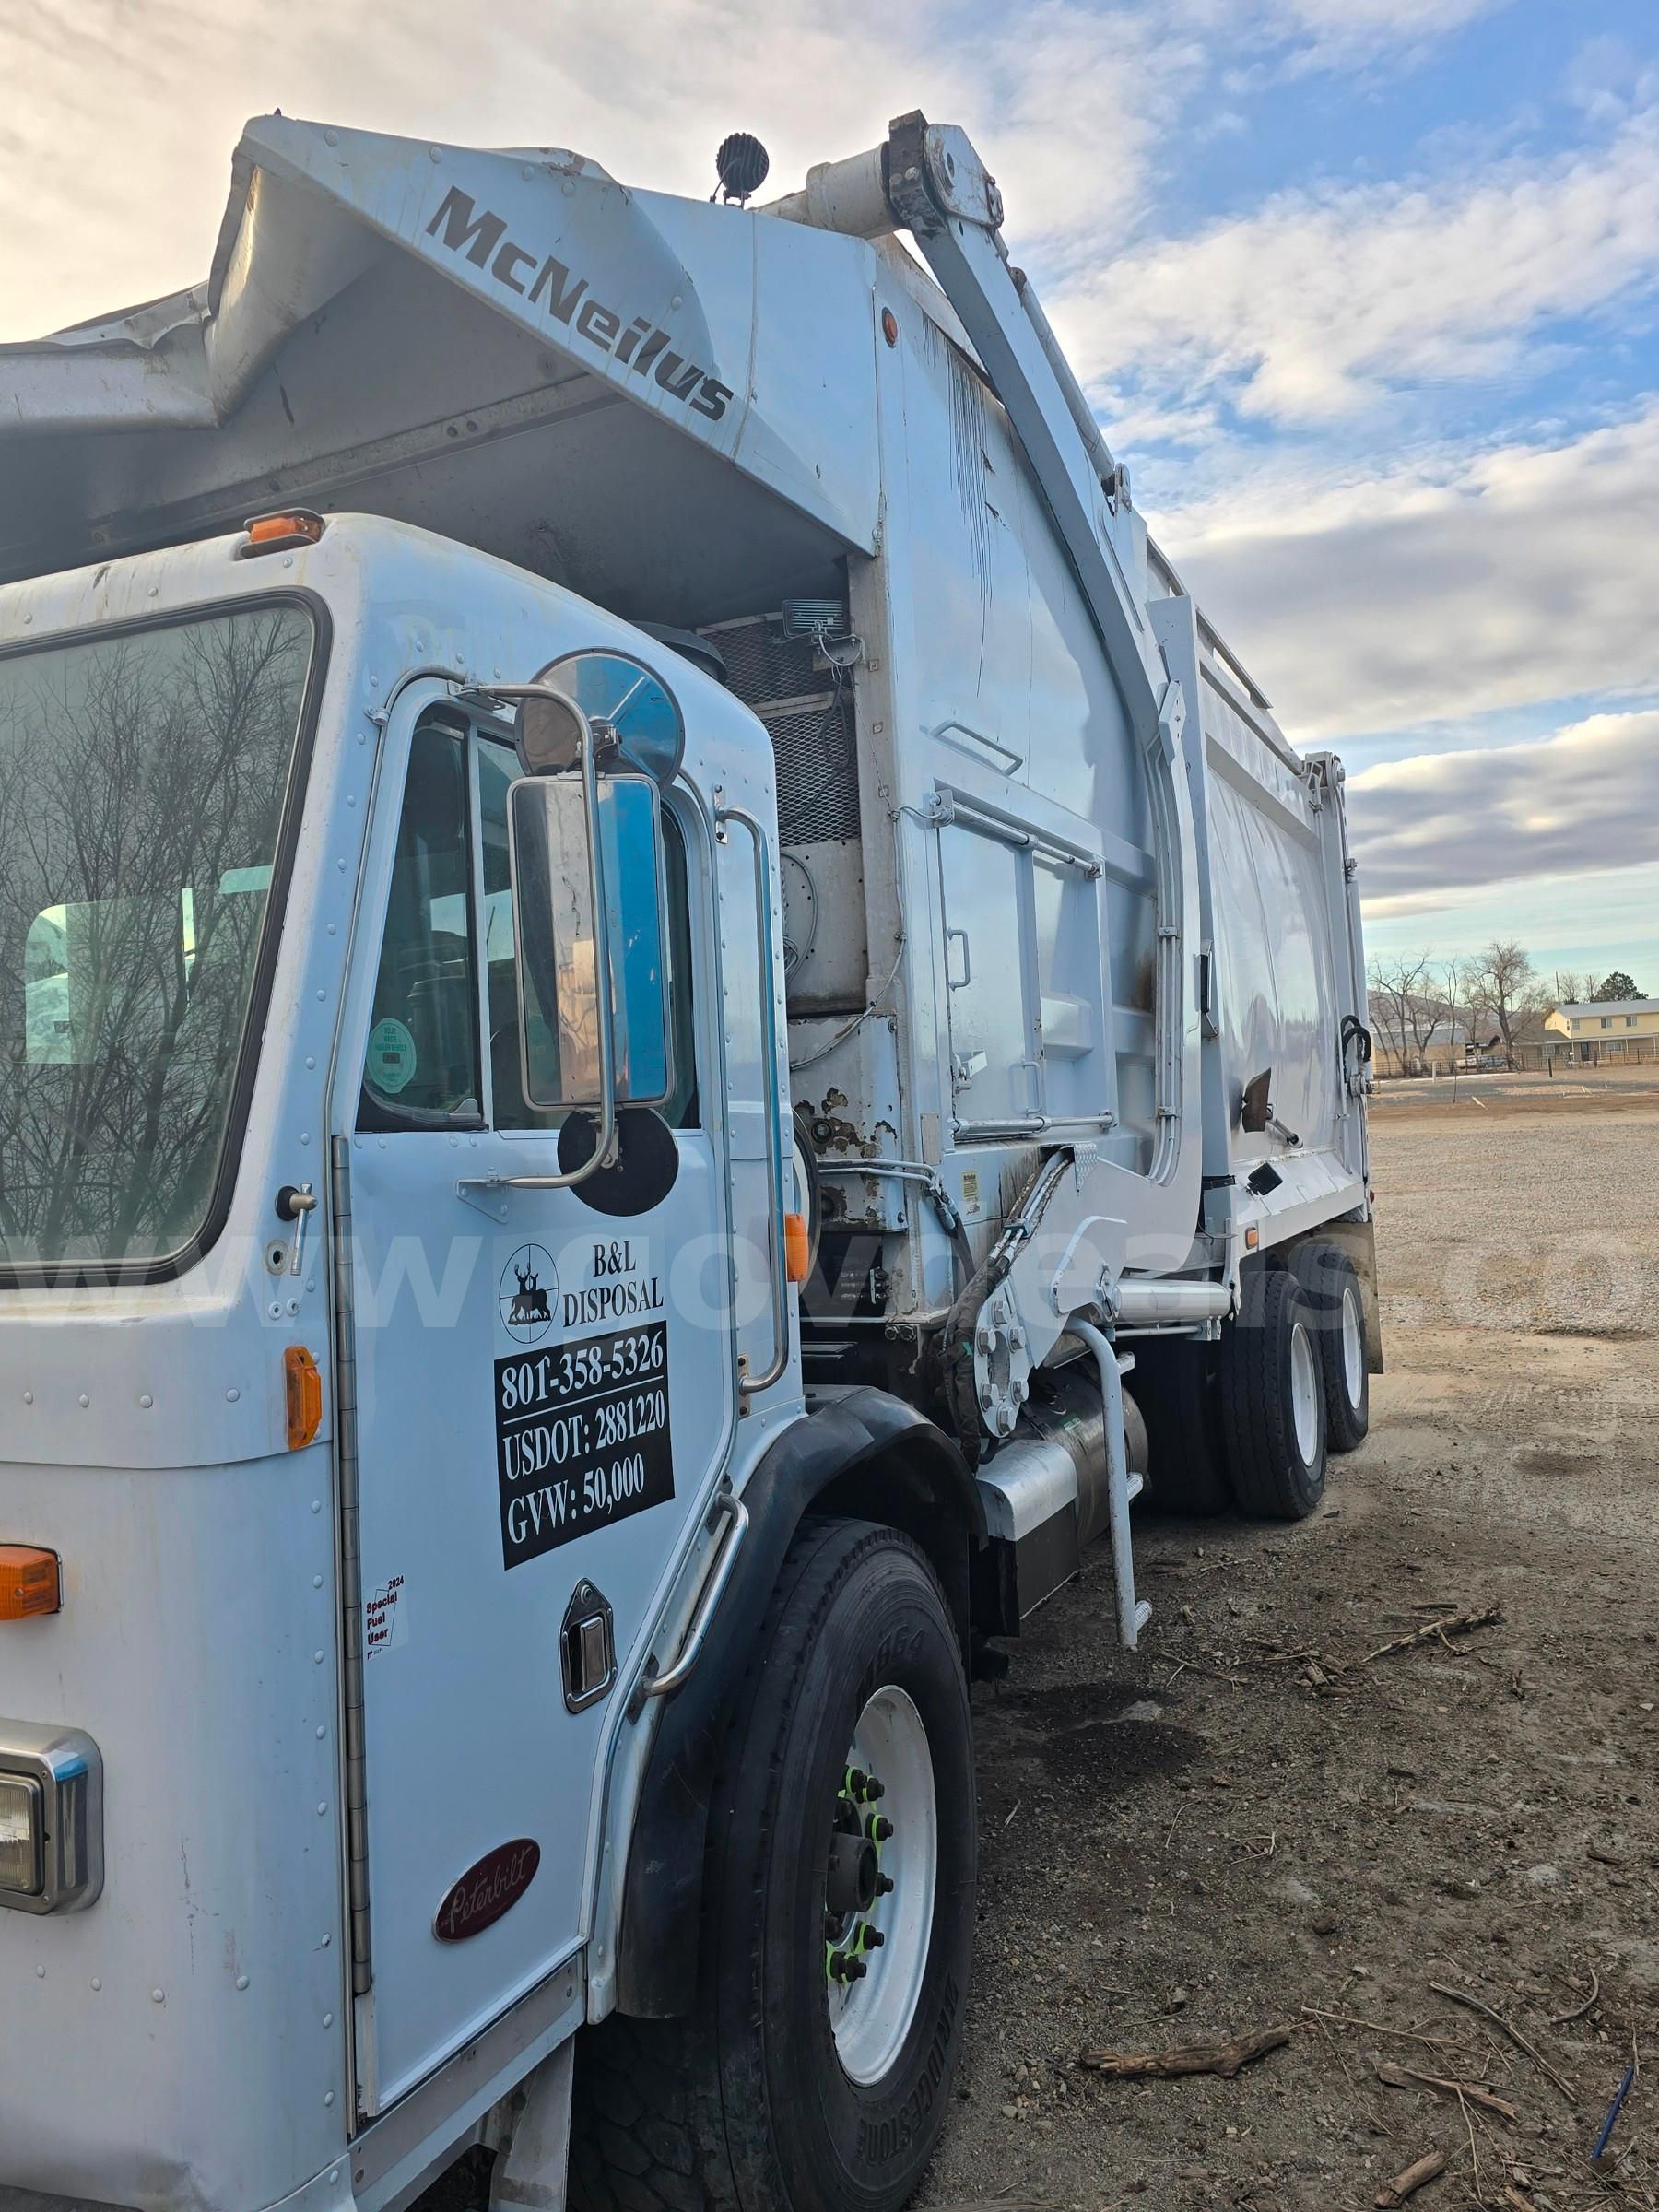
<point x="581" y="1438"/>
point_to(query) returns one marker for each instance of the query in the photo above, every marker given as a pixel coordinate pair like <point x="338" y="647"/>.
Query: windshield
<point x="142" y="781"/>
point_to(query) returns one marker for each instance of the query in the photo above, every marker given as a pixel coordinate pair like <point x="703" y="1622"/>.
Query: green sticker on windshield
<point x="391" y="1057"/>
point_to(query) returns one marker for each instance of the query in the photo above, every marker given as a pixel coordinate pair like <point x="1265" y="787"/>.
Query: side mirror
<point x="588" y="901"/>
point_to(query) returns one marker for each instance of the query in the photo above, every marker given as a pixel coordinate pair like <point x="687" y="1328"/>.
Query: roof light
<point x="287" y="526"/>
<point x="30" y="1582"/>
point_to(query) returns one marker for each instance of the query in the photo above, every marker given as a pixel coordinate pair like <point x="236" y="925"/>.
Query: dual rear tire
<point x="1248" y="1421"/>
<point x="1337" y="1308"/>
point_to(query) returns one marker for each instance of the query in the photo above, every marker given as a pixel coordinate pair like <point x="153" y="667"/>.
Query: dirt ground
<point x="1252" y="1824"/>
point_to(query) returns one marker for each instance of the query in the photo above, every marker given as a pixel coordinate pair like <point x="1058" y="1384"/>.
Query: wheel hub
<point x="878" y="1885"/>
<point x="853" y="1874"/>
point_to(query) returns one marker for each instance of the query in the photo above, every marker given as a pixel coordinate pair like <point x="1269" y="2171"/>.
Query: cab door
<point x="543" y="1397"/>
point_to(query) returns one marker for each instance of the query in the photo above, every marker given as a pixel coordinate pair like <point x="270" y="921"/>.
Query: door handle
<point x="296" y="1203"/>
<point x="951" y="982"/>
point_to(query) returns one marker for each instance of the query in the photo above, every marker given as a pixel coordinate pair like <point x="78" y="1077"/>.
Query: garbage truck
<point x="668" y="1017"/>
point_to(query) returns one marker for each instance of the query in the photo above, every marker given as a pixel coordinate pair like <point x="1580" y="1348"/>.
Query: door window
<point x="422" y="1064"/>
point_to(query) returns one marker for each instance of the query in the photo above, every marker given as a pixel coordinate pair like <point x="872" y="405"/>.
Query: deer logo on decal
<point x="523" y="1298"/>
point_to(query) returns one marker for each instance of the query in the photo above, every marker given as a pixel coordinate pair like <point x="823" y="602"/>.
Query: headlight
<point x="51" y="1819"/>
<point x="22" y="1871"/>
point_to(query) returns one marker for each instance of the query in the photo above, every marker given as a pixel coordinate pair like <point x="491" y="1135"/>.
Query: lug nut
<point x="844" y="1966"/>
<point x="879" y="1827"/>
<point x="885" y="1885"/>
<point x="873" y="1938"/>
<point x="858" y="1782"/>
<point x="874" y="1789"/>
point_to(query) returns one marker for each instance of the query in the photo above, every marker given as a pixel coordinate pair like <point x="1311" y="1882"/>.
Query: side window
<point x="422" y="1062"/>
<point x="497" y="768"/>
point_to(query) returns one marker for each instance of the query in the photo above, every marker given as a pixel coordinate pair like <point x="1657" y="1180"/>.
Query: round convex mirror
<point x="615" y="688"/>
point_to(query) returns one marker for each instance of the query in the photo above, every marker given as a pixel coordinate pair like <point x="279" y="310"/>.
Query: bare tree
<point x="1391" y="983"/>
<point x="1574" y="987"/>
<point x="1411" y="1004"/>
<point x="1504" y="986"/>
<point x="1455" y="981"/>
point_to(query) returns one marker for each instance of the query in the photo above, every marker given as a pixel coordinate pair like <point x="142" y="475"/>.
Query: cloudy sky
<point x="1366" y="292"/>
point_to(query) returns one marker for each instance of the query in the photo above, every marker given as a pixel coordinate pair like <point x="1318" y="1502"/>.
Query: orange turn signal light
<point x="31" y="1581"/>
<point x="797" y="1250"/>
<point x="291" y="527"/>
<point x="1252" y="1237"/>
<point x="304" y="1386"/>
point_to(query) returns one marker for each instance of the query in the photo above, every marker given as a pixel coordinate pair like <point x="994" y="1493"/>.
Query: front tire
<point x="801" y="2084"/>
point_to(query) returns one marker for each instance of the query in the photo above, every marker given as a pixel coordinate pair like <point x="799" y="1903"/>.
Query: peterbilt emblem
<point x="487" y="1890"/>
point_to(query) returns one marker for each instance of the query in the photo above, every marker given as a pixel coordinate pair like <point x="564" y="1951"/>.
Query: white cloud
<point x="1376" y="600"/>
<point x="1336" y="34"/>
<point x="113" y="166"/>
<point x="1317" y="303"/>
<point x="119" y="154"/>
<point x="1584" y="800"/>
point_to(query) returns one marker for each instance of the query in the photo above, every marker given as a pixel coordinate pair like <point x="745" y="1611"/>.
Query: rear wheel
<point x="837" y="1922"/>
<point x="1273" y="1409"/>
<point x="1337" y="1306"/>
<point x="1173" y="1382"/>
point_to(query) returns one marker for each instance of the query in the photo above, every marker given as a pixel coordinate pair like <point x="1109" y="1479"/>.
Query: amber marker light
<point x="268" y="533"/>
<point x="797" y="1252"/>
<point x="304" y="1386"/>
<point x="30" y="1582"/>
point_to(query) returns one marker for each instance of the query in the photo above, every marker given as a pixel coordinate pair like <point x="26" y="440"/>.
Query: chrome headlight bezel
<point x="58" y="1773"/>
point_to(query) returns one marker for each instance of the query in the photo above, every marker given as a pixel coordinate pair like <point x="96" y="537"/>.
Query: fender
<point x="866" y="1453"/>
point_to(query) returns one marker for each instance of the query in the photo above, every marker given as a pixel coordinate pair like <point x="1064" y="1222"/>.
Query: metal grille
<point x="807" y="709"/>
<point x="816" y="754"/>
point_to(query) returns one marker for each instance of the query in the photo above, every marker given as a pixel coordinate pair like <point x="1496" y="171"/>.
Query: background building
<point x="1616" y="1028"/>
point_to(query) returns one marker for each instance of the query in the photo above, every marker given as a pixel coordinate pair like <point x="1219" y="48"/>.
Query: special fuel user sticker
<point x="581" y="1438"/>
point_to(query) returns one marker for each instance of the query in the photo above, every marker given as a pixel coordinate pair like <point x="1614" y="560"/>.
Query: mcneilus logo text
<point x="637" y="345"/>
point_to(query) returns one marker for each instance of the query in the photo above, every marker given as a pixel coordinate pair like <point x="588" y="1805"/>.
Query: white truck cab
<point x="658" y="1038"/>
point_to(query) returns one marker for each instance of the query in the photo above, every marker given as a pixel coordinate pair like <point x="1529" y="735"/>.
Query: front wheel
<point x="814" y="2075"/>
